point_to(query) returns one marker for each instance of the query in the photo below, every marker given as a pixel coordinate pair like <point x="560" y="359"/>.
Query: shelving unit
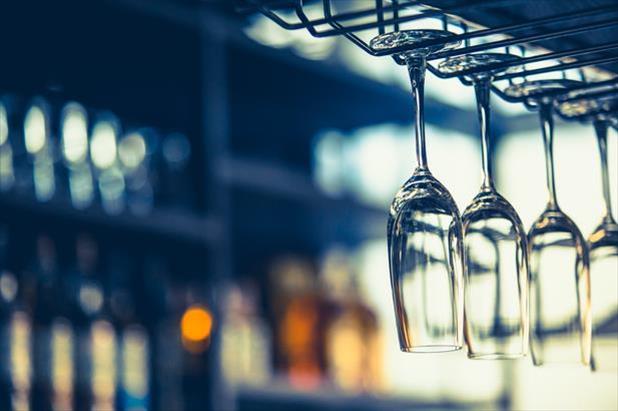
<point x="159" y="224"/>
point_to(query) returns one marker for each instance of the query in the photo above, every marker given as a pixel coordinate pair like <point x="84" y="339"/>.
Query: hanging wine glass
<point x="560" y="321"/>
<point x="424" y="228"/>
<point x="495" y="244"/>
<point x="603" y="242"/>
<point x="603" y="245"/>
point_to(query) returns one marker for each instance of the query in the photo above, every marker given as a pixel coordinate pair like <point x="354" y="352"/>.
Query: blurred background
<point x="193" y="208"/>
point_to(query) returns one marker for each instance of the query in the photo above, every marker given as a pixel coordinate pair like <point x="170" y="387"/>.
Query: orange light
<point x="196" y="324"/>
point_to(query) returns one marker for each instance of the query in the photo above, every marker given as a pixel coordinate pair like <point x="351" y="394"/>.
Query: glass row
<point x="479" y="279"/>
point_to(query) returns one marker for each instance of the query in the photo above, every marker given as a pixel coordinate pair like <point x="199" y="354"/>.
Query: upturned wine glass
<point x="495" y="243"/>
<point x="603" y="242"/>
<point x="424" y="228"/>
<point x="603" y="245"/>
<point x="560" y="316"/>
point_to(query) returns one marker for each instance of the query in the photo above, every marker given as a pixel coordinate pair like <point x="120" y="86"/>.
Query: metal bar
<point x="395" y="14"/>
<point x="303" y="17"/>
<point x="380" y="16"/>
<point x="515" y="40"/>
<point x="342" y="17"/>
<point x="528" y="60"/>
<point x="365" y="26"/>
<point x="557" y="67"/>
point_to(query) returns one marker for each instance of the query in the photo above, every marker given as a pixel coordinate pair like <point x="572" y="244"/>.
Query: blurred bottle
<point x="104" y="157"/>
<point x="161" y="315"/>
<point x="245" y="341"/>
<point x="7" y="173"/>
<point x="352" y="335"/>
<point x="47" y="295"/>
<point x="95" y="343"/>
<point x="8" y="293"/>
<point x="297" y="306"/>
<point x="176" y="176"/>
<point x="74" y="130"/>
<point x="38" y="145"/>
<point x="135" y="161"/>
<point x="15" y="335"/>
<point x="132" y="391"/>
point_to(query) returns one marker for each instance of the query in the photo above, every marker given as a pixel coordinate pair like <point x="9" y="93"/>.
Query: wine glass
<point x="603" y="245"/>
<point x="560" y="317"/>
<point x="424" y="228"/>
<point x="495" y="243"/>
<point x="603" y="242"/>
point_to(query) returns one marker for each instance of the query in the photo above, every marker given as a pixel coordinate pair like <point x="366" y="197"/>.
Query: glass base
<point x="428" y="349"/>
<point x="458" y="64"/>
<point x="411" y="38"/>
<point x="533" y="89"/>
<point x="496" y="356"/>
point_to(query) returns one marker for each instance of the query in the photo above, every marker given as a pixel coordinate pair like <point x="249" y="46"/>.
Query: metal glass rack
<point x="550" y="38"/>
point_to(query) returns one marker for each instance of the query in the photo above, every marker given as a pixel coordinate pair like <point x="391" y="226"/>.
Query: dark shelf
<point x="285" y="398"/>
<point x="165" y="224"/>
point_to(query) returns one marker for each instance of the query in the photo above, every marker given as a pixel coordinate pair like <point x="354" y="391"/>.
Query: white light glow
<point x="103" y="145"/>
<point x="74" y="133"/>
<point x="132" y="150"/>
<point x="35" y="130"/>
<point x="4" y="125"/>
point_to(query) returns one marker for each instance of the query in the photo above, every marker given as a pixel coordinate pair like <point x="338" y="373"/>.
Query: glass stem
<point x="482" y="90"/>
<point x="600" y="127"/>
<point x="547" y="127"/>
<point x="416" y="69"/>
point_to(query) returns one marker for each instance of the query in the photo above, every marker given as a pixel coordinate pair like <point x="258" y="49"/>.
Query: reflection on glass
<point x="424" y="230"/>
<point x="560" y="322"/>
<point x="36" y="129"/>
<point x="104" y="156"/>
<point x="74" y="133"/>
<point x="75" y="153"/>
<point x="7" y="174"/>
<point x="4" y="125"/>
<point x="496" y="261"/>
<point x="38" y="145"/>
<point x="132" y="153"/>
<point x="603" y="243"/>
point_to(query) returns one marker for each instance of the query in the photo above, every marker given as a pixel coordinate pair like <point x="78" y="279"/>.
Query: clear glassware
<point x="560" y="316"/>
<point x="424" y="230"/>
<point x="603" y="245"/>
<point x="495" y="243"/>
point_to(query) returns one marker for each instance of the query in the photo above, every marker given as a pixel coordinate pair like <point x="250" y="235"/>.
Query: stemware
<point x="560" y="317"/>
<point x="603" y="242"/>
<point x="495" y="243"/>
<point x="424" y="228"/>
<point x="603" y="246"/>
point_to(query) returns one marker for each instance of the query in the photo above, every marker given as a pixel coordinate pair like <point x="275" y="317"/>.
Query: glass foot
<point x="411" y="38"/>
<point x="536" y="88"/>
<point x="458" y="64"/>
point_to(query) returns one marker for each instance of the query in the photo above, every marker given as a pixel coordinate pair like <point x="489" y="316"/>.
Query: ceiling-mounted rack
<point x="573" y="39"/>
